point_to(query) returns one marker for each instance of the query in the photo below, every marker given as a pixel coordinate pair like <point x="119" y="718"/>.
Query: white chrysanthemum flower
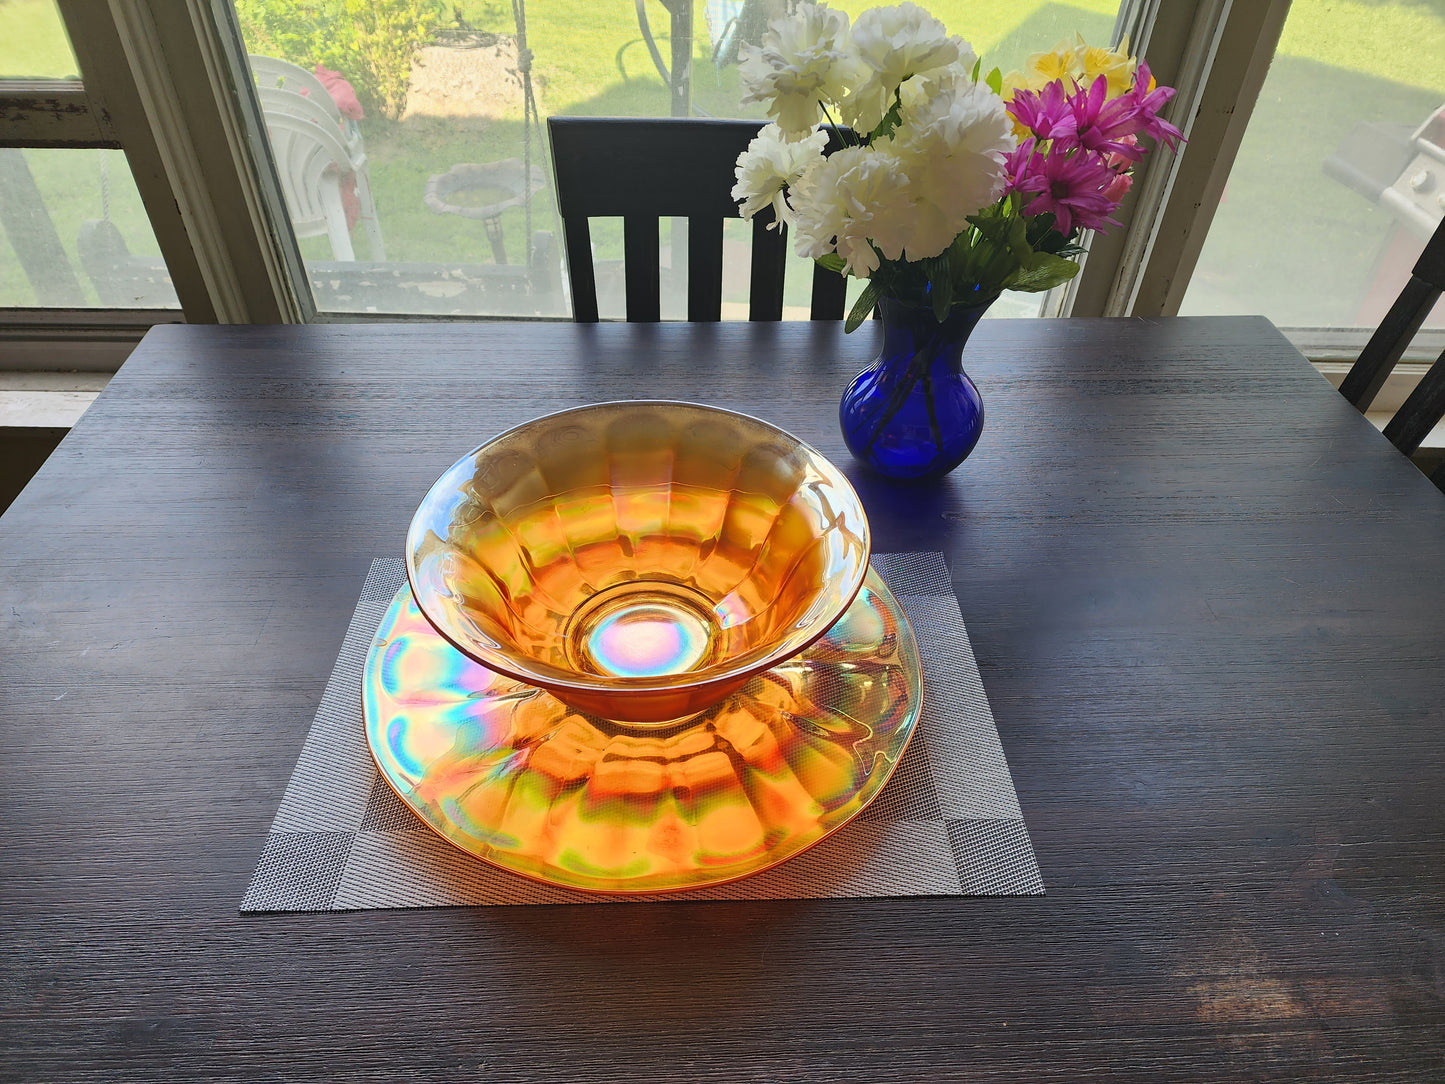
<point x="854" y="196"/>
<point x="804" y="58"/>
<point x="769" y="166"/>
<point x="894" y="44"/>
<point x="952" y="146"/>
<point x="916" y="93"/>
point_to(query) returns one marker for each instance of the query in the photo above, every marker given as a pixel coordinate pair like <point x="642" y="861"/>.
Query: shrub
<point x="370" y="42"/>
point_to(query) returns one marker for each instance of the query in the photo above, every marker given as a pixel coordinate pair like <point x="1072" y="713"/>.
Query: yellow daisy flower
<point x="1047" y="67"/>
<point x="1116" y="67"/>
<point x="1013" y="82"/>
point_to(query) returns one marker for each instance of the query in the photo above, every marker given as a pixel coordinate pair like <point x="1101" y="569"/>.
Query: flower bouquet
<point x="946" y="188"/>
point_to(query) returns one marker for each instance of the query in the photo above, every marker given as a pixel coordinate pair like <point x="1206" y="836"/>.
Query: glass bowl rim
<point x="555" y="678"/>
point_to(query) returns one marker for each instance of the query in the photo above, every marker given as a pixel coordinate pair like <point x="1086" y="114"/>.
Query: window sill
<point x="1398" y="385"/>
<point x="47" y="400"/>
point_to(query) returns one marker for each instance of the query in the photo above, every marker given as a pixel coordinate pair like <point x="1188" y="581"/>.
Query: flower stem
<point x="933" y="426"/>
<point x="838" y="132"/>
<point x="917" y="369"/>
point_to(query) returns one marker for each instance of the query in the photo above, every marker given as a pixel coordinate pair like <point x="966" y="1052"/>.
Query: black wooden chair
<point x="1425" y="406"/>
<point x="646" y="169"/>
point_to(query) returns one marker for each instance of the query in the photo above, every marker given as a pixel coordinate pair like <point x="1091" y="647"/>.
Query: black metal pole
<point x="681" y="12"/>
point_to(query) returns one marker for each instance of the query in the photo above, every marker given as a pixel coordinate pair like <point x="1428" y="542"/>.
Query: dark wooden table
<point x="1206" y="596"/>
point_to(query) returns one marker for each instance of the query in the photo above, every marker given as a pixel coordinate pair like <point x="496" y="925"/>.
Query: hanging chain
<point x="531" y="123"/>
<point x="529" y="114"/>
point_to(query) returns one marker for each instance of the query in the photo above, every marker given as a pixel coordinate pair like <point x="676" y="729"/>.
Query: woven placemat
<point x="947" y="824"/>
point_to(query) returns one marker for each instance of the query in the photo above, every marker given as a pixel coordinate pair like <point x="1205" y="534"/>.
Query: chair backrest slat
<point x="666" y="167"/>
<point x="704" y="268"/>
<point x="577" y="236"/>
<point x="1425" y="406"/>
<point x="770" y="251"/>
<point x="1420" y="412"/>
<point x="639" y="250"/>
<point x="1431" y="264"/>
<point x="1380" y="355"/>
<point x="830" y="294"/>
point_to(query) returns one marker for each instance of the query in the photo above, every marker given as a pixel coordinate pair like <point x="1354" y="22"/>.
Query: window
<point x="66" y="212"/>
<point x="441" y="171"/>
<point x="33" y="42"/>
<point x="1344" y="158"/>
<point x="76" y="233"/>
<point x="441" y="166"/>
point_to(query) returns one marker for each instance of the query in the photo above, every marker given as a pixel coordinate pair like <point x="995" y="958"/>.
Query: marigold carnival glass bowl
<point x="638" y="560"/>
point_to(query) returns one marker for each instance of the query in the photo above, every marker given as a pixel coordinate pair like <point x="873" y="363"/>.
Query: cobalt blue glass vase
<point x="914" y="414"/>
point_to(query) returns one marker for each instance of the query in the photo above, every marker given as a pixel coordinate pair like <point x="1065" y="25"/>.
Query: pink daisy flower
<point x="1046" y="113"/>
<point x="1072" y="186"/>
<point x="1119" y="161"/>
<point x="1021" y="163"/>
<point x="1102" y="125"/>
<point x="1112" y="126"/>
<point x="1148" y="103"/>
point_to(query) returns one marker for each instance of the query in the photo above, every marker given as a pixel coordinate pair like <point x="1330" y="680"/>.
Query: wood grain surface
<point x="1206" y="600"/>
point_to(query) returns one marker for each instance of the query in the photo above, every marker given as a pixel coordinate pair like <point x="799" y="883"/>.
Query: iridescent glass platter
<point x="512" y="775"/>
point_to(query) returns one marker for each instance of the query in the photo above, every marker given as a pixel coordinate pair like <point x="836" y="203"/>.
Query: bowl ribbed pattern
<point x="639" y="560"/>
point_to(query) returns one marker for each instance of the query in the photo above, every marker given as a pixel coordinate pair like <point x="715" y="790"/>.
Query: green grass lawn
<point x="592" y="61"/>
<point x="1287" y="240"/>
<point x="33" y="42"/>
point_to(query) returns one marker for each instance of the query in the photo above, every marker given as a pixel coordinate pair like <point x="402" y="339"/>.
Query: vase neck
<point x="911" y="329"/>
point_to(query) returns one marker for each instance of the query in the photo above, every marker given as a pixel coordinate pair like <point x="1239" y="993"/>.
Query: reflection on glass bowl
<point x="638" y="560"/>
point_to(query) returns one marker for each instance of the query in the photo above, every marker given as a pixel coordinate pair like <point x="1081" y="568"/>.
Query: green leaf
<point x="992" y="226"/>
<point x="1018" y="235"/>
<point x="994" y="80"/>
<point x="940" y="285"/>
<point x="992" y="211"/>
<point x="831" y="261"/>
<point x="1041" y="271"/>
<point x="1040" y="227"/>
<point x="862" y="307"/>
<point x="977" y="64"/>
<point x="891" y="120"/>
